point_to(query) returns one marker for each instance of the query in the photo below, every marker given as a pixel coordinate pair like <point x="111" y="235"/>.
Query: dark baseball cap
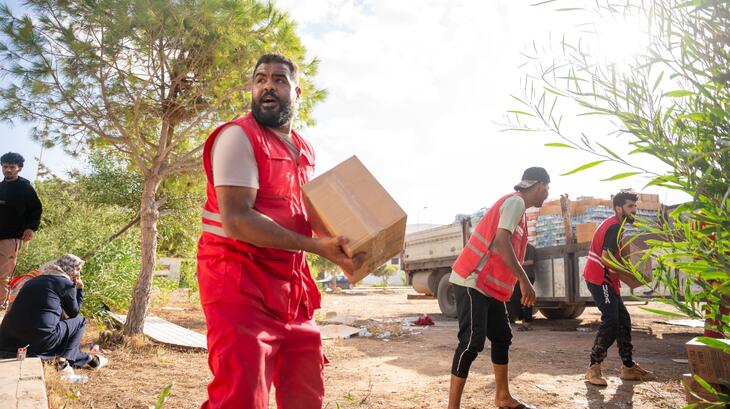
<point x="531" y="176"/>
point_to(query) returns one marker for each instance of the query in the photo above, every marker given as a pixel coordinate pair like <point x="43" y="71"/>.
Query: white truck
<point x="559" y="285"/>
<point x="560" y="289"/>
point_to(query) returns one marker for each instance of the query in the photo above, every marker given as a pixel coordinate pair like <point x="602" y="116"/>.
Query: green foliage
<point x="188" y="277"/>
<point x="148" y="80"/>
<point x="182" y="198"/>
<point x="72" y="223"/>
<point x="81" y="214"/>
<point x="112" y="180"/>
<point x="671" y="102"/>
<point x="163" y="396"/>
<point x="385" y="271"/>
<point x="321" y="267"/>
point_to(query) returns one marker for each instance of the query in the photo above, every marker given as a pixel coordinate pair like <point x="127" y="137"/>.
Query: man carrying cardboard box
<point x="257" y="291"/>
<point x="602" y="278"/>
<point x="484" y="276"/>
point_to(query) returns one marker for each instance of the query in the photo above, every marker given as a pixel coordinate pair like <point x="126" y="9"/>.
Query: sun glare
<point x="620" y="40"/>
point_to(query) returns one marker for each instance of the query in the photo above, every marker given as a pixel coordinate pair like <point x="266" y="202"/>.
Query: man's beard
<point x="275" y="118"/>
<point x="630" y="218"/>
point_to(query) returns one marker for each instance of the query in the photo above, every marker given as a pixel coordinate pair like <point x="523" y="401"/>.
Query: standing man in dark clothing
<point x="524" y="312"/>
<point x="20" y="216"/>
<point x="605" y="259"/>
<point x="35" y="318"/>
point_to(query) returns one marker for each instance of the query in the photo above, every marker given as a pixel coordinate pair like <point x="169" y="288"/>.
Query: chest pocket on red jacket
<point x="306" y="167"/>
<point x="279" y="177"/>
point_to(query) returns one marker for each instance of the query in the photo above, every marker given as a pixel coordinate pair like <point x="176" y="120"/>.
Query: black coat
<point x="34" y="316"/>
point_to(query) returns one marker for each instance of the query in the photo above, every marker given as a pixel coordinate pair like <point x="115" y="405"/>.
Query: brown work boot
<point x="594" y="375"/>
<point x="635" y="373"/>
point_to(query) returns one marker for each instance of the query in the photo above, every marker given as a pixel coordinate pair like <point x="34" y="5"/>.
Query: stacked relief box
<point x="710" y="364"/>
<point x="586" y="214"/>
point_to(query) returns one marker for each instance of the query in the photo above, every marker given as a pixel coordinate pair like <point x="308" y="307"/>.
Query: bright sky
<point x="415" y="89"/>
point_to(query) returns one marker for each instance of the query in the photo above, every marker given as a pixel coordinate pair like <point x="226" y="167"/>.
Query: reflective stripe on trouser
<point x="615" y="324"/>
<point x="8" y="259"/>
<point x="480" y="318"/>
<point x="248" y="350"/>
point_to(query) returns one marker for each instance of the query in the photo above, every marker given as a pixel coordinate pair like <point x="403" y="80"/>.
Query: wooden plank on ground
<point x="22" y="385"/>
<point x="419" y="297"/>
<point x="165" y="332"/>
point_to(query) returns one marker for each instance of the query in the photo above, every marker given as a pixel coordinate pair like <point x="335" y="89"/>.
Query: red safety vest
<point x="595" y="269"/>
<point x="493" y="275"/>
<point x="231" y="270"/>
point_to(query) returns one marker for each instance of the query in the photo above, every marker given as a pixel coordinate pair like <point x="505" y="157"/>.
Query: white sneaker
<point x="64" y="367"/>
<point x="98" y="361"/>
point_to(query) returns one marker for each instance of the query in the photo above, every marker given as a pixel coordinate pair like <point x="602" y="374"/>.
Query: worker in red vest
<point x="605" y="259"/>
<point x="484" y="276"/>
<point x="257" y="291"/>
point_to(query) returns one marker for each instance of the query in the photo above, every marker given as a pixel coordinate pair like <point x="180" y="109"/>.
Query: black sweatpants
<point x="480" y="318"/>
<point x="615" y="324"/>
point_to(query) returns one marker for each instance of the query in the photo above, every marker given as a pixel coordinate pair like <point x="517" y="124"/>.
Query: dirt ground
<point x="409" y="368"/>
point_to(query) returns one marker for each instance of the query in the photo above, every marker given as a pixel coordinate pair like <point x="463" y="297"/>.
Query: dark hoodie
<point x="20" y="208"/>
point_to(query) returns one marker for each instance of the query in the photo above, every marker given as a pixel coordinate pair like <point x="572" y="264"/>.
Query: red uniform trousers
<point x="248" y="349"/>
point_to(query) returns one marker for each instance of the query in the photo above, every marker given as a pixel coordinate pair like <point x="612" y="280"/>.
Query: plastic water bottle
<point x="75" y="378"/>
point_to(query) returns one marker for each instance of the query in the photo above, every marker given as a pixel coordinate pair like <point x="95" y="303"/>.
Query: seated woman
<point x="35" y="318"/>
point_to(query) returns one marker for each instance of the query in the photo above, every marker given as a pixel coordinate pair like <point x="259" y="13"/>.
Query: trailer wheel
<point x="566" y="312"/>
<point x="579" y="308"/>
<point x="446" y="297"/>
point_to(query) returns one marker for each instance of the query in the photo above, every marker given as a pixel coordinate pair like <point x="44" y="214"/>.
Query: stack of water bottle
<point x="550" y="230"/>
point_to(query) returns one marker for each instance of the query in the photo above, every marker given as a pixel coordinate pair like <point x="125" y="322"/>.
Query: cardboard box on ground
<point x="691" y="386"/>
<point x="348" y="201"/>
<point x="710" y="364"/>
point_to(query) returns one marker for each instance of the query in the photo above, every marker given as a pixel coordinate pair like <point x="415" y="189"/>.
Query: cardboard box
<point x="584" y="232"/>
<point x="631" y="281"/>
<point x="550" y="209"/>
<point x="645" y="268"/>
<point x="348" y="201"/>
<point x="648" y="197"/>
<point x="709" y="363"/>
<point x="653" y="206"/>
<point x="691" y="386"/>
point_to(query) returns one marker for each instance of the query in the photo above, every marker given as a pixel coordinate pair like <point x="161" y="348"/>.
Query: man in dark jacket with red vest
<point x="484" y="277"/>
<point x="605" y="258"/>
<point x="257" y="291"/>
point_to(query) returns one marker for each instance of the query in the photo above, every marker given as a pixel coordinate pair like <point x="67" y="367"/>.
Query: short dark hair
<point x="621" y="198"/>
<point x="281" y="59"/>
<point x="12" y="158"/>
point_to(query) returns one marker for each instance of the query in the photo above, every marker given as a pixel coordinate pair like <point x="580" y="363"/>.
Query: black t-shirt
<point x="610" y="241"/>
<point x="20" y="208"/>
<point x="611" y="244"/>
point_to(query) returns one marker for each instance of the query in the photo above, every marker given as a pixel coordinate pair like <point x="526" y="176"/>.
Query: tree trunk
<point x="149" y="214"/>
